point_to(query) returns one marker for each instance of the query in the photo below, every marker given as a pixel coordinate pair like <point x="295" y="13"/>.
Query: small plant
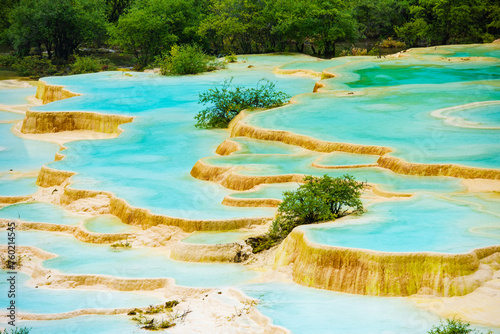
<point x="391" y="43"/>
<point x="121" y="244"/>
<point x="17" y="330"/>
<point x="353" y="51"/>
<point x="375" y="51"/>
<point x="228" y="100"/>
<point x="238" y="312"/>
<point x="187" y="59"/>
<point x="35" y="67"/>
<point x="154" y="309"/>
<point x="454" y="326"/>
<point x="135" y="311"/>
<point x="231" y="58"/>
<point x="171" y="304"/>
<point x="85" y="65"/>
<point x="153" y="324"/>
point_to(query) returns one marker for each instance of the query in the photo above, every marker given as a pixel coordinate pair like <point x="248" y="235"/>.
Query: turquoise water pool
<point x="395" y="74"/>
<point x="89" y="324"/>
<point x="308" y="310"/>
<point x="162" y="139"/>
<point x="399" y="118"/>
<point x="424" y="223"/>
<point x="22" y="155"/>
<point x="43" y="300"/>
<point x="17" y="186"/>
<point x="76" y="257"/>
<point x="16" y="96"/>
<point x="41" y="212"/>
<point x="108" y="224"/>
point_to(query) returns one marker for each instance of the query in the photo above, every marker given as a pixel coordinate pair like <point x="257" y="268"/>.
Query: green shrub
<point x="228" y="100"/>
<point x="353" y="51"/>
<point x="35" y="67"/>
<point x="231" y="58"/>
<point x="187" y="59"/>
<point x="318" y="199"/>
<point x="391" y="43"/>
<point x="454" y="326"/>
<point x="85" y="65"/>
<point x="8" y="60"/>
<point x="375" y="51"/>
<point x="487" y="38"/>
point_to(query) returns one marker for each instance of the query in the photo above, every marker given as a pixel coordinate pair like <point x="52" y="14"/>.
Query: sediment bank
<point x="37" y="122"/>
<point x="50" y="93"/>
<point x="230" y="252"/>
<point x="367" y="272"/>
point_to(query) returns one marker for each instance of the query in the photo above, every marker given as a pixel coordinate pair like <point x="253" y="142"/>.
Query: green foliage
<point x="85" y="65"/>
<point x="151" y="26"/>
<point x="8" y="60"/>
<point x="377" y="18"/>
<point x="115" y="8"/>
<point x="324" y="23"/>
<point x="171" y="304"/>
<point x="7" y="6"/>
<point x="231" y="58"/>
<point x="262" y="242"/>
<point x="121" y="245"/>
<point x="17" y="330"/>
<point x="435" y="22"/>
<point x="391" y="43"/>
<point x="454" y="326"/>
<point x="318" y="199"/>
<point x="58" y="27"/>
<point x="354" y="51"/>
<point x="35" y="67"/>
<point x="375" y="51"/>
<point x="228" y="100"/>
<point x="187" y="59"/>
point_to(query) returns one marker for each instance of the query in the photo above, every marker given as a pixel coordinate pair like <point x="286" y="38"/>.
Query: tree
<point x="236" y="25"/>
<point x="319" y="198"/>
<point x="454" y="326"/>
<point x="333" y="22"/>
<point x="446" y="21"/>
<point x="377" y="18"/>
<point x="228" y="100"/>
<point x="56" y="26"/>
<point x="151" y="27"/>
<point x="7" y="6"/>
<point x="115" y="8"/>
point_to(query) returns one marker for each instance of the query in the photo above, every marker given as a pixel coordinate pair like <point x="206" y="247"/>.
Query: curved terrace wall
<point x="144" y="217"/>
<point x="239" y="128"/>
<point x="50" y="93"/>
<point x="49" y="122"/>
<point x="400" y="166"/>
<point x="367" y="272"/>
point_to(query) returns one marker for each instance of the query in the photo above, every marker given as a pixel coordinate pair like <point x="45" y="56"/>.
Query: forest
<point x="55" y="32"/>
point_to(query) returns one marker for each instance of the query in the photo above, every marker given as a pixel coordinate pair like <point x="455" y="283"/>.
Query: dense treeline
<point x="146" y="29"/>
